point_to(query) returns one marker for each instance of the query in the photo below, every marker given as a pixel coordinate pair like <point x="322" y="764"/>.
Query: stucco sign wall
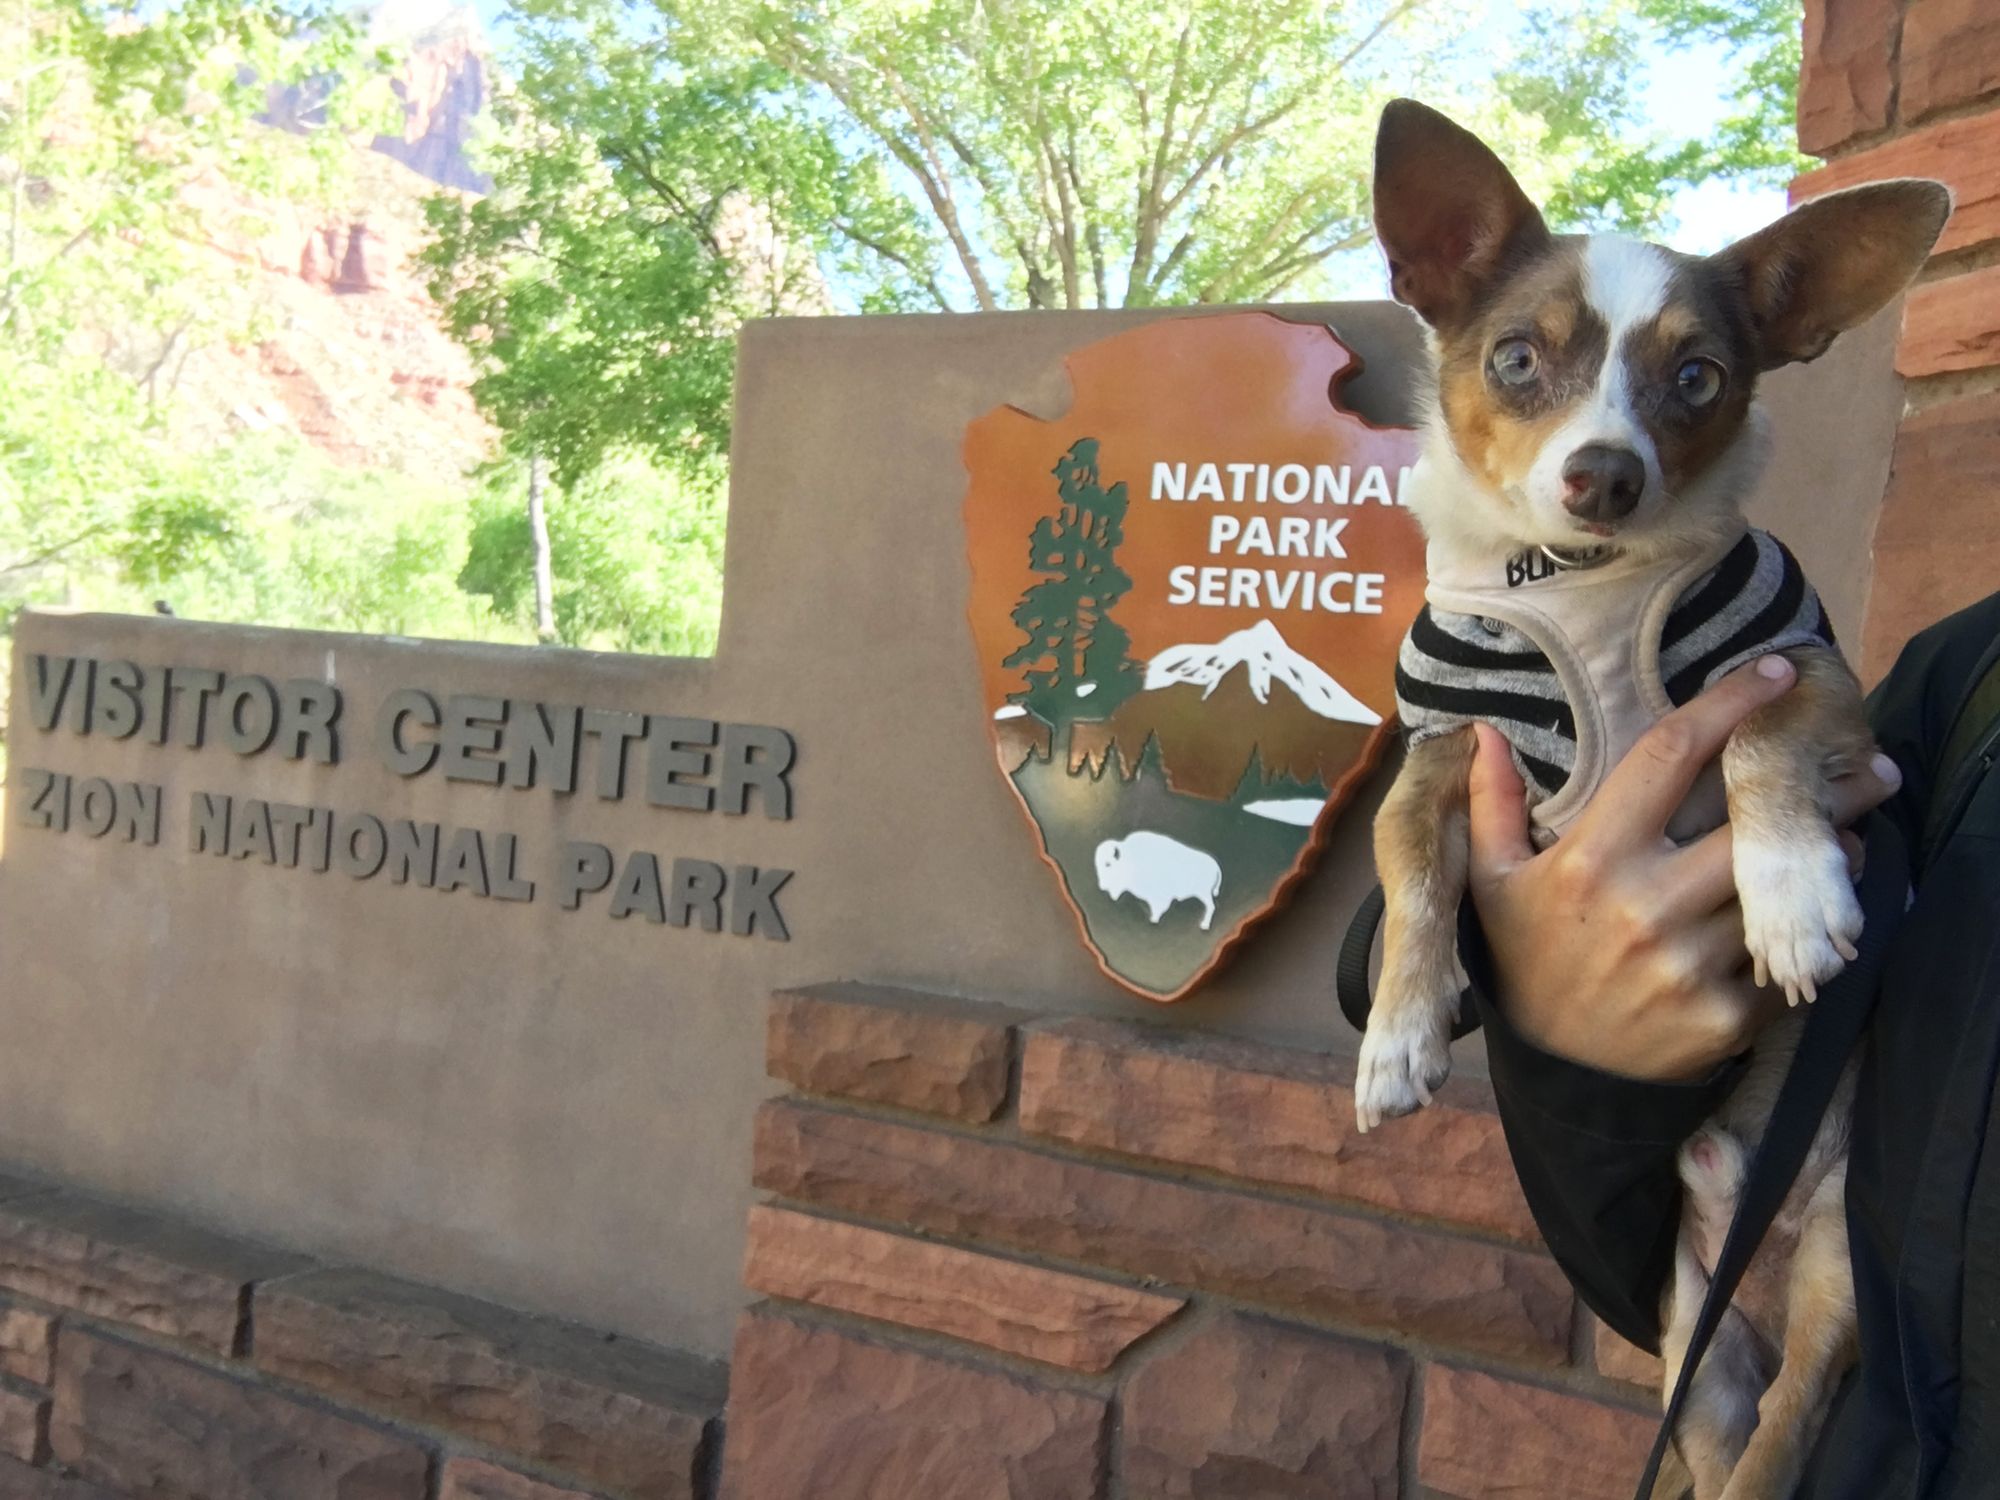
<point x="215" y="1001"/>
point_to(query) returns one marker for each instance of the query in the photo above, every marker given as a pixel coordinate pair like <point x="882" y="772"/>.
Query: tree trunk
<point x="538" y="528"/>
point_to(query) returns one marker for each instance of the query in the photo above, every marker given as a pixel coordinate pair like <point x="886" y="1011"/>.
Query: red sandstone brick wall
<point x="1079" y="1260"/>
<point x="1912" y="88"/>
<point x="142" y="1357"/>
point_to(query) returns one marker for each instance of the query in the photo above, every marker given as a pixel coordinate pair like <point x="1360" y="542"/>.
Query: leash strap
<point x="1833" y="1030"/>
<point x="1350" y="973"/>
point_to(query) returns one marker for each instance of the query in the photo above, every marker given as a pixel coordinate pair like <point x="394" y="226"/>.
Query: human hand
<point x="1615" y="948"/>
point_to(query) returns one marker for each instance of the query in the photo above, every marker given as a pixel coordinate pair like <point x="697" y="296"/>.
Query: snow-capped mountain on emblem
<point x="1261" y="651"/>
<point x="1188" y="591"/>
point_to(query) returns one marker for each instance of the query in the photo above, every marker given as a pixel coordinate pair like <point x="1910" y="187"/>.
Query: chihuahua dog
<point x="1589" y="442"/>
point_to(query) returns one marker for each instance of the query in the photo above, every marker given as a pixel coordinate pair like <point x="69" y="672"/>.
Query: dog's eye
<point x="1700" y="382"/>
<point x="1516" y="362"/>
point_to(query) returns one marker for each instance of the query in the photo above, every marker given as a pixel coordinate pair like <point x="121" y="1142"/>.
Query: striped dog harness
<point x="1572" y="665"/>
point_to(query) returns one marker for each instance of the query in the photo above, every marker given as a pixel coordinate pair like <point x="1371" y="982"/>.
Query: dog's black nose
<point x="1604" y="482"/>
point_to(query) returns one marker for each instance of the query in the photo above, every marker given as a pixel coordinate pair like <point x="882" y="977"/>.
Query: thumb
<point x="1499" y="807"/>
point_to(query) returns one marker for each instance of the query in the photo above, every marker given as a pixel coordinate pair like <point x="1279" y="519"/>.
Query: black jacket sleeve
<point x="1595" y="1155"/>
<point x="1913" y="709"/>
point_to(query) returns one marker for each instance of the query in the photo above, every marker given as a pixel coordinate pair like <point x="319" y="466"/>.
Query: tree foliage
<point x="636" y="554"/>
<point x="667" y="168"/>
<point x="114" y="121"/>
<point x="1580" y="102"/>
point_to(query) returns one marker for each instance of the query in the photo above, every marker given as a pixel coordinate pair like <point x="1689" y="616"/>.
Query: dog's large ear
<point x="1832" y="263"/>
<point x="1447" y="210"/>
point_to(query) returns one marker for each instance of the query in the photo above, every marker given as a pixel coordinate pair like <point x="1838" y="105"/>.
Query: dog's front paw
<point x="1402" y="1064"/>
<point x="1800" y="915"/>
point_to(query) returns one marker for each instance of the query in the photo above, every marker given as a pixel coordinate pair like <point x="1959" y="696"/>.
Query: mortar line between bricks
<point x="1573" y="1379"/>
<point x="1926" y="393"/>
<point x="947" y="1348"/>
<point x="1110" y="1471"/>
<point x="239" y="1344"/>
<point x="1894" y="104"/>
<point x="714" y="1449"/>
<point x="1948" y="114"/>
<point x="1963" y="261"/>
<point x="1863" y="142"/>
<point x="1582" y="1335"/>
<point x="1156" y="1168"/>
<point x="1413" y="1430"/>
<point x="1010" y="1103"/>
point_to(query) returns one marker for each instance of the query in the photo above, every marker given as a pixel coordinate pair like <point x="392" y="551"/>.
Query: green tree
<point x="1578" y="117"/>
<point x="112" y="118"/>
<point x="667" y="168"/>
<point x="636" y="555"/>
<point x="1076" y="657"/>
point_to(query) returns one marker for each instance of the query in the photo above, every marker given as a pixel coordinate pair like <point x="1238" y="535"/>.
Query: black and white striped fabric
<point x="1456" y="668"/>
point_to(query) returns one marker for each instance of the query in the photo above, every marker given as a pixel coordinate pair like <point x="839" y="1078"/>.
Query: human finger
<point x="1851" y="796"/>
<point x="1698" y="880"/>
<point x="1646" y="788"/>
<point x="1499" y="807"/>
<point x="1701" y="878"/>
<point x="1715" y="942"/>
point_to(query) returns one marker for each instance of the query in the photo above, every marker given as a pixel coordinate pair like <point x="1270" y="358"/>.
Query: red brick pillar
<point x="1015" y="1256"/>
<point x="1901" y="88"/>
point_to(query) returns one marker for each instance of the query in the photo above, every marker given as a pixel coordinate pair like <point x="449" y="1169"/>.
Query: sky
<point x="1683" y="96"/>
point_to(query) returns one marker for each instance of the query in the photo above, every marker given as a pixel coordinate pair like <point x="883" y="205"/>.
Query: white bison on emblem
<point x="1159" y="871"/>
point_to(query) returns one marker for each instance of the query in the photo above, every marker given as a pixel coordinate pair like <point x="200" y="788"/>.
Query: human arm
<point x="1610" y="975"/>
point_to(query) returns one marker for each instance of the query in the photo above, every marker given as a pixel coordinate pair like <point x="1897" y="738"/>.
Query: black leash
<point x="1833" y="1029"/>
<point x="1350" y="973"/>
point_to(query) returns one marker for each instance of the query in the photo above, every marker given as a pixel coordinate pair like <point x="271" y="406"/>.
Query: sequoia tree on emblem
<point x="1188" y="593"/>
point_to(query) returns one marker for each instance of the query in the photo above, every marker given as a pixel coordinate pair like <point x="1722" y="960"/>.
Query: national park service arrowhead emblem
<point x="1188" y="592"/>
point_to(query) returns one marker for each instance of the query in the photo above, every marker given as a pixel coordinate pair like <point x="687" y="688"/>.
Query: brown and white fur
<point x="1615" y="325"/>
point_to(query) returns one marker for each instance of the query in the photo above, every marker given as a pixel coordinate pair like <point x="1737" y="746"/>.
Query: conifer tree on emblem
<point x="1075" y="656"/>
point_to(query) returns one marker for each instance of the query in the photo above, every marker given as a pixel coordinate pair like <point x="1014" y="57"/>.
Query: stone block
<point x="613" y="1412"/>
<point x="1964" y="154"/>
<point x="1255" y="1410"/>
<point x="24" y="1421"/>
<point x="27" y="1343"/>
<point x="1485" y="1438"/>
<point x="1845" y="87"/>
<point x="1952" y="324"/>
<point x="129" y="1266"/>
<point x="818" y="1414"/>
<point x="1950" y="55"/>
<point x="890" y="1046"/>
<point x="1269" y="1114"/>
<point x="1340" y="1266"/>
<point x="1038" y="1313"/>
<point x="143" y="1422"/>
<point x="1937" y="545"/>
